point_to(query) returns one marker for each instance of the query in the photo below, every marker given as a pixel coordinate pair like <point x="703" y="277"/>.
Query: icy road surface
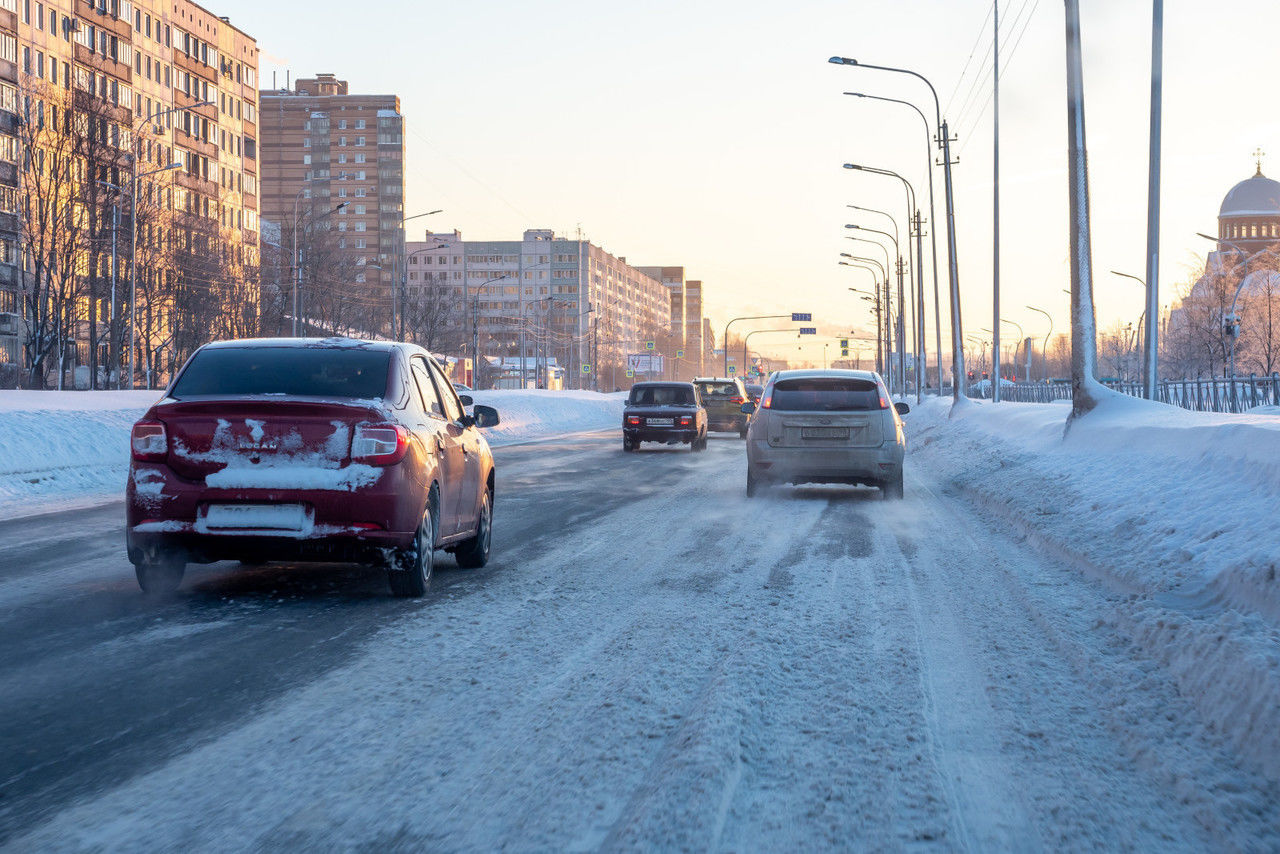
<point x="651" y="661"/>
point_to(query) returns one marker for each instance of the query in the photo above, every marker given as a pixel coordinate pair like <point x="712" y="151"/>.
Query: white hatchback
<point x="826" y="427"/>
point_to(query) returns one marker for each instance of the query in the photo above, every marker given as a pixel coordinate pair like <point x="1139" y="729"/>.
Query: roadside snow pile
<point x="1170" y="510"/>
<point x="65" y="449"/>
<point x="530" y="414"/>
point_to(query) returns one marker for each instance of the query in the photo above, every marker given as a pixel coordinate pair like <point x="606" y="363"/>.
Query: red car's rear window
<point x="301" y="371"/>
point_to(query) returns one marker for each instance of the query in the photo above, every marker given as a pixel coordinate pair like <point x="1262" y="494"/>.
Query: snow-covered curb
<point x="65" y="450"/>
<point x="1169" y="510"/>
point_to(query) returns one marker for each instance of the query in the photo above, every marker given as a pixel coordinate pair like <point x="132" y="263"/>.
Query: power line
<point x="1004" y="67"/>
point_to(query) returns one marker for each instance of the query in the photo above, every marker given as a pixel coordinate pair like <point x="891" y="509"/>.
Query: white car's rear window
<point x="825" y="394"/>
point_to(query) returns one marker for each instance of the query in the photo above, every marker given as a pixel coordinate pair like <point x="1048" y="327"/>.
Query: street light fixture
<point x="297" y="259"/>
<point x="944" y="142"/>
<point x="917" y="332"/>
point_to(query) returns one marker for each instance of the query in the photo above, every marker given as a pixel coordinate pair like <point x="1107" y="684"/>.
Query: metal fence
<point x="1213" y="395"/>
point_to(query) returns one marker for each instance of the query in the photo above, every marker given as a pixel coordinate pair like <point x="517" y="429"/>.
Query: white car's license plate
<point x="260" y="517"/>
<point x="659" y="422"/>
<point x="824" y="432"/>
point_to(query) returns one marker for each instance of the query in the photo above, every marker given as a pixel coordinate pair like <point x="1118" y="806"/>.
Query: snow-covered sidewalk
<point x="1169" y="510"/>
<point x="64" y="450"/>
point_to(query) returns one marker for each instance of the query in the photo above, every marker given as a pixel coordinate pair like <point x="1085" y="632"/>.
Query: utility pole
<point x="921" y="361"/>
<point x="1150" y="350"/>
<point x="1085" y="387"/>
<point x="995" y="203"/>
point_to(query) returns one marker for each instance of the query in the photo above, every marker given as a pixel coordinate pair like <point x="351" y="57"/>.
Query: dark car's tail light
<point x="379" y="444"/>
<point x="633" y="420"/>
<point x="149" y="443"/>
<point x="685" y="420"/>
<point x="738" y="400"/>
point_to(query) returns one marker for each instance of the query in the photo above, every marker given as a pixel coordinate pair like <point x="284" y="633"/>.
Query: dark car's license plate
<point x="659" y="422"/>
<point x="824" y="432"/>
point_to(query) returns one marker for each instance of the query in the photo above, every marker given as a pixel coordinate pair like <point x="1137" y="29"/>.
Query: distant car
<point x="667" y="412"/>
<point x="305" y="449"/>
<point x="723" y="399"/>
<point x="461" y="387"/>
<point x="826" y="426"/>
<point x="754" y="391"/>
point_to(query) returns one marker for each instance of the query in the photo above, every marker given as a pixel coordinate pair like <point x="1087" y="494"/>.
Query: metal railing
<point x="1211" y="395"/>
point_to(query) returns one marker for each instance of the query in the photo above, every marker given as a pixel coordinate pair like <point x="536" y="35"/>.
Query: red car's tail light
<point x="633" y="420"/>
<point x="379" y="444"/>
<point x="149" y="443"/>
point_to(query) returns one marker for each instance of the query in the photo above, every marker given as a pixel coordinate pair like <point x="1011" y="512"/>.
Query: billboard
<point x="644" y="363"/>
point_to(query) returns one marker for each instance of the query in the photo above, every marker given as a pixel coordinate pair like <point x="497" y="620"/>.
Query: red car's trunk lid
<point x="207" y="436"/>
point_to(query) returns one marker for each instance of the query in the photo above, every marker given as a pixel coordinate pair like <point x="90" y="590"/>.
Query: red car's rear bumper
<point x="166" y="512"/>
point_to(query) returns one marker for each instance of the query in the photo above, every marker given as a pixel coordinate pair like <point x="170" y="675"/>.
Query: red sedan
<point x="305" y="449"/>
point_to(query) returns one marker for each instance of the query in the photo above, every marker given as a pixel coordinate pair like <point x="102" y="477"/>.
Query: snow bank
<point x="65" y="449"/>
<point x="1171" y="510"/>
<point x="531" y="414"/>
<point x="62" y="450"/>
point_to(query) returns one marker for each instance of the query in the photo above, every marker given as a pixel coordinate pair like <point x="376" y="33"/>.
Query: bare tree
<point x="54" y="226"/>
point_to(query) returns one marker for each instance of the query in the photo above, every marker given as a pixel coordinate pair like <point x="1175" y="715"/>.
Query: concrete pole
<point x="995" y="204"/>
<point x="1150" y="350"/>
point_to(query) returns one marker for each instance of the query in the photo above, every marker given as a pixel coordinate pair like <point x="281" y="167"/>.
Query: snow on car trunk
<point x="264" y="443"/>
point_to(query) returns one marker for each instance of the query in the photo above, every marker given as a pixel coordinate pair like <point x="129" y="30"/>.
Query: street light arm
<point x="844" y="60"/>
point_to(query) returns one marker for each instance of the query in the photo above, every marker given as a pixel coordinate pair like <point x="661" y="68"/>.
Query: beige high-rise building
<point x="324" y="147"/>
<point x="166" y="82"/>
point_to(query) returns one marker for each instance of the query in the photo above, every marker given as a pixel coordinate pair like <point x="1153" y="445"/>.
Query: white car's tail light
<point x="149" y="443"/>
<point x="379" y="444"/>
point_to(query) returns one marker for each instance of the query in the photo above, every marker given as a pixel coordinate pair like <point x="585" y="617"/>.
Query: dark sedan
<point x="671" y="413"/>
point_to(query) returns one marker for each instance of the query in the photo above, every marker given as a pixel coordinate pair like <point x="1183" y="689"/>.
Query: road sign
<point x="808" y="330"/>
<point x="733" y="369"/>
<point x="631" y="373"/>
<point x="586" y="369"/>
<point x="844" y="343"/>
<point x="679" y="354"/>
<point x="844" y="351"/>
<point x="801" y="317"/>
<point x="648" y="345"/>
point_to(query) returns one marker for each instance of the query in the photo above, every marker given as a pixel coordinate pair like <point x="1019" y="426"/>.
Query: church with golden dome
<point x="1240" y="288"/>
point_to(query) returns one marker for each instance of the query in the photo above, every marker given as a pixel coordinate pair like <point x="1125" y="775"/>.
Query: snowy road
<point x="650" y="661"/>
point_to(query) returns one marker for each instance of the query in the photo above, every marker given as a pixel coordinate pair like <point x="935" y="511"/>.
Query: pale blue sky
<point x="711" y="134"/>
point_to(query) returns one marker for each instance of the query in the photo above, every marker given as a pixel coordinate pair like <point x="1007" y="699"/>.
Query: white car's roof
<point x="809" y="373"/>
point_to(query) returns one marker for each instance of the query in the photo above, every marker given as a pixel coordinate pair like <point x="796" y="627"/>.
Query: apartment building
<point x="10" y="308"/>
<point x="695" y="326"/>
<point x="543" y="296"/>
<point x="333" y="163"/>
<point x="172" y="89"/>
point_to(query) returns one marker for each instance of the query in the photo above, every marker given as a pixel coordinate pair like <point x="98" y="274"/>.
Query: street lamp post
<point x="297" y="258"/>
<point x="917" y="298"/>
<point x="404" y="274"/>
<point x="944" y="142"/>
<point x="133" y="225"/>
<point x="887" y="318"/>
<point x="113" y="346"/>
<point x="1044" y="352"/>
<point x="933" y="218"/>
<point x="874" y="298"/>
<point x="735" y="320"/>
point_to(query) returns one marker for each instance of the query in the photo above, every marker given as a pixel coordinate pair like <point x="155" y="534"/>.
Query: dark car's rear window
<point x="825" y="394"/>
<point x="303" y="371"/>
<point x="718" y="389"/>
<point x="662" y="395"/>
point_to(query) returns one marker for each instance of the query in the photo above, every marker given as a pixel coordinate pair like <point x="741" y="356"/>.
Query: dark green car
<point x="723" y="399"/>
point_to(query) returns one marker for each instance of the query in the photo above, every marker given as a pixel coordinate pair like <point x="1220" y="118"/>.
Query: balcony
<point x="118" y="70"/>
